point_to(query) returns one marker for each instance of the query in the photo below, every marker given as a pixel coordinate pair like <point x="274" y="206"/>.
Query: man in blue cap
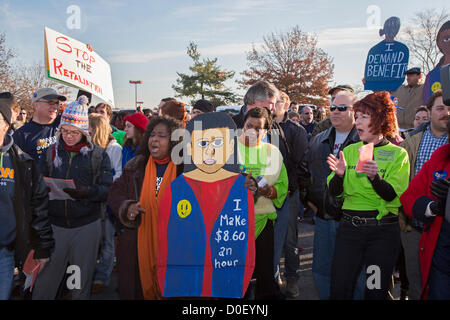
<point x="409" y="97"/>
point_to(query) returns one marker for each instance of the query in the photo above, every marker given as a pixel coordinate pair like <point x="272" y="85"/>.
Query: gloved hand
<point x="439" y="189"/>
<point x="78" y="193"/>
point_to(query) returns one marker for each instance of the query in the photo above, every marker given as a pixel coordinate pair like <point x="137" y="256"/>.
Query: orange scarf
<point x="148" y="230"/>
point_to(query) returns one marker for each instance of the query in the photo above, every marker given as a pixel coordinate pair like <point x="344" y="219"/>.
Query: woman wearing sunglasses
<point x="369" y="233"/>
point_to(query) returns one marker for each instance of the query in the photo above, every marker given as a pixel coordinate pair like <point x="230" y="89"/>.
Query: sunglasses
<point x="341" y="107"/>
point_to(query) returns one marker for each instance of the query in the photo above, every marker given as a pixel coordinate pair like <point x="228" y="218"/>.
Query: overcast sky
<point x="147" y="40"/>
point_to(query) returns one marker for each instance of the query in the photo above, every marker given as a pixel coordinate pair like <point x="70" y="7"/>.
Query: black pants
<point x="266" y="287"/>
<point x="375" y="247"/>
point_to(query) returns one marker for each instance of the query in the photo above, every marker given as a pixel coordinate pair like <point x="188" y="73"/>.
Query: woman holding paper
<point x="76" y="219"/>
<point x="371" y="176"/>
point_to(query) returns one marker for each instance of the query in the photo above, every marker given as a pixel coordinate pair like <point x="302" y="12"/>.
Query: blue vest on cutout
<point x="186" y="244"/>
<point x="229" y="251"/>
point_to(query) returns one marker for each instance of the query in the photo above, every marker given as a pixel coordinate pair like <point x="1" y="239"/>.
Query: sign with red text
<point x="69" y="61"/>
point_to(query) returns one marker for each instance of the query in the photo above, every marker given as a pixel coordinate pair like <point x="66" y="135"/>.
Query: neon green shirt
<point x="393" y="167"/>
<point x="119" y="135"/>
<point x="265" y="160"/>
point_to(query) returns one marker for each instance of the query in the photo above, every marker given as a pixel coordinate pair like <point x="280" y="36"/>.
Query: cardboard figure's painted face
<point x="211" y="148"/>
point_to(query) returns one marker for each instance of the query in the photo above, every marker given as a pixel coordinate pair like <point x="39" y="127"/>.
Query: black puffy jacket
<point x="294" y="147"/>
<point x="33" y="229"/>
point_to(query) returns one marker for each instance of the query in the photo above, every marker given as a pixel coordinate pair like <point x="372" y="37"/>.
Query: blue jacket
<point x="77" y="213"/>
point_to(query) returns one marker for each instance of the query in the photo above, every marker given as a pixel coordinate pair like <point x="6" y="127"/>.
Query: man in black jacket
<point x="294" y="143"/>
<point x="261" y="94"/>
<point x="24" y="223"/>
<point x="291" y="140"/>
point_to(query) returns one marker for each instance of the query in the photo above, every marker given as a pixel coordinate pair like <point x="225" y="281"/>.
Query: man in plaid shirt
<point x="420" y="144"/>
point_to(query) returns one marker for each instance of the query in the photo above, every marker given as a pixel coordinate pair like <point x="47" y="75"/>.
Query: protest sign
<point x="69" y="61"/>
<point x="206" y="229"/>
<point x="387" y="61"/>
<point x="433" y="80"/>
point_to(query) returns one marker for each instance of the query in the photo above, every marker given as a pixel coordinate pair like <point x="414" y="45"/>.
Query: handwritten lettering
<point x="226" y="263"/>
<point x="58" y="65"/>
<point x="237" y="221"/>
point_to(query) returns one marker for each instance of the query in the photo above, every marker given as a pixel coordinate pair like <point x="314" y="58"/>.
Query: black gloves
<point x="78" y="193"/>
<point x="439" y="189"/>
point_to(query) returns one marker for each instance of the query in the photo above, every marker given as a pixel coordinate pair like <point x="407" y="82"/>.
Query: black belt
<point x="358" y="221"/>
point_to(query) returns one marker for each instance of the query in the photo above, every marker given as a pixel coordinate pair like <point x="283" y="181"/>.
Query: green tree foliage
<point x="207" y="81"/>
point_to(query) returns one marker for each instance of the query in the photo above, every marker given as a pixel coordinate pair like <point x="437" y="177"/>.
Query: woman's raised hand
<point x="337" y="165"/>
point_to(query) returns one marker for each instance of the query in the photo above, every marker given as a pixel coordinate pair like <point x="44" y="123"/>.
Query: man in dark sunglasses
<point x="333" y="92"/>
<point x="341" y="133"/>
<point x="341" y="107"/>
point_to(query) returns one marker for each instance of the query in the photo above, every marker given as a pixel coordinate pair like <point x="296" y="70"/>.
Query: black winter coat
<point x="33" y="229"/>
<point x="77" y="213"/>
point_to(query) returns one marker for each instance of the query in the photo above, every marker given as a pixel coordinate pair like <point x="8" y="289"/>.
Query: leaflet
<point x="56" y="188"/>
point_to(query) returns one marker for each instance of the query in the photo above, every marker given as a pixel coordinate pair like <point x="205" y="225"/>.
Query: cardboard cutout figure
<point x="433" y="79"/>
<point x="387" y="61"/>
<point x="206" y="218"/>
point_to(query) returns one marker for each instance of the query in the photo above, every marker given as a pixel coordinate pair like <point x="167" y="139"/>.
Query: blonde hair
<point x="101" y="130"/>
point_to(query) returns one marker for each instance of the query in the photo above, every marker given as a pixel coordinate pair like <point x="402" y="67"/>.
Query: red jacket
<point x="415" y="200"/>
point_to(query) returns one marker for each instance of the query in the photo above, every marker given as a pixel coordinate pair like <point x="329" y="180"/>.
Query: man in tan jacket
<point x="409" y="97"/>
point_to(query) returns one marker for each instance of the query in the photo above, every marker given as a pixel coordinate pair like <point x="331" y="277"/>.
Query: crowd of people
<point x="390" y="215"/>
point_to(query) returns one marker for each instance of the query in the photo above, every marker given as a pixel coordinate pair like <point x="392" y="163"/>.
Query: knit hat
<point x="6" y="100"/>
<point x="138" y="120"/>
<point x="204" y="106"/>
<point x="76" y="114"/>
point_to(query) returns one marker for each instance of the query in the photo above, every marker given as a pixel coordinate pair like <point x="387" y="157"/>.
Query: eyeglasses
<point x="341" y="107"/>
<point x="70" y="133"/>
<point x="50" y="103"/>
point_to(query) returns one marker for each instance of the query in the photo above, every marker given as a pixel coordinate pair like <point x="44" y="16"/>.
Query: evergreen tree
<point x="207" y="81"/>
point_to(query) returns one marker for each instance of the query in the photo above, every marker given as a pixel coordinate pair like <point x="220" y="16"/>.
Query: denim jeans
<point x="323" y="251"/>
<point x="279" y="234"/>
<point x="292" y="259"/>
<point x="106" y="264"/>
<point x="439" y="283"/>
<point x="439" y="276"/>
<point x="6" y="273"/>
<point x="410" y="242"/>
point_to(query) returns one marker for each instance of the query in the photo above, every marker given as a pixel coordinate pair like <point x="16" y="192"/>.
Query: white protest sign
<point x="69" y="61"/>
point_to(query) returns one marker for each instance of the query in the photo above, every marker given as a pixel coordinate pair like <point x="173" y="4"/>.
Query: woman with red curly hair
<point x="176" y="110"/>
<point x="368" y="235"/>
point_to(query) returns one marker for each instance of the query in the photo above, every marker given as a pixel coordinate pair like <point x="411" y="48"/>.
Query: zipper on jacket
<point x="65" y="201"/>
